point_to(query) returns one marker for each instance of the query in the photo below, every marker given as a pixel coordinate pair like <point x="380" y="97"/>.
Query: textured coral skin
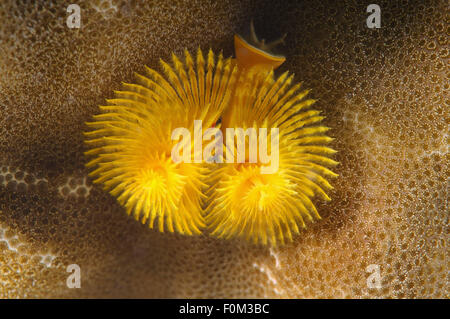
<point x="384" y="91"/>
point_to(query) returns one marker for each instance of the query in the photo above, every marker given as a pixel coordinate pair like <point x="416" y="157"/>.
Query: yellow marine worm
<point x="130" y="146"/>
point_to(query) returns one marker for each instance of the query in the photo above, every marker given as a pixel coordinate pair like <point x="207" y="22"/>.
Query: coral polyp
<point x="130" y="141"/>
<point x="270" y="208"/>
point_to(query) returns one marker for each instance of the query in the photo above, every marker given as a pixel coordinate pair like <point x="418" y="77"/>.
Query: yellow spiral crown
<point x="130" y="144"/>
<point x="131" y="140"/>
<point x="270" y="207"/>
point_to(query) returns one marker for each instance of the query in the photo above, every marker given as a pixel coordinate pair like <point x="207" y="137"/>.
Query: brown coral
<point x="385" y="91"/>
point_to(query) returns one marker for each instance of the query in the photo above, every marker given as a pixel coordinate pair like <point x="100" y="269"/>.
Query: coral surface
<point x="384" y="93"/>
